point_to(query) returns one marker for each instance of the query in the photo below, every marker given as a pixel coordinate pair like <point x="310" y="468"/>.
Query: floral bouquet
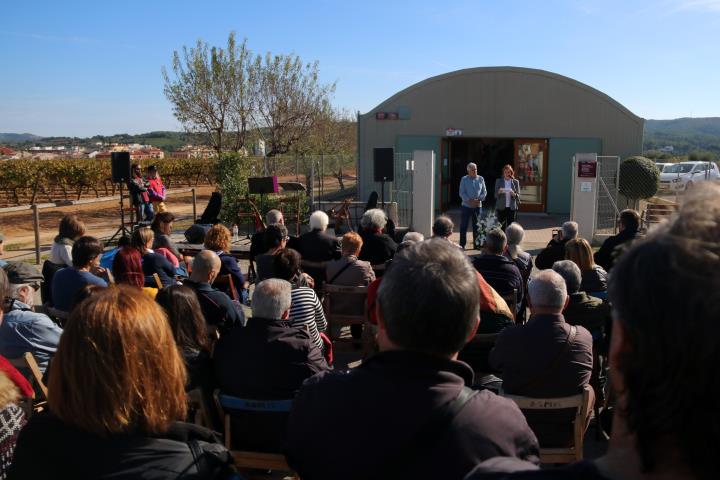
<point x="485" y="224"/>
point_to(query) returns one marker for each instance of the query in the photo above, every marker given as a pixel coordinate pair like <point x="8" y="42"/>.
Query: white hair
<point x="319" y="220"/>
<point x="569" y="230"/>
<point x="514" y="233"/>
<point x="373" y="218"/>
<point x="274" y="216"/>
<point x="471" y="164"/>
<point x="570" y="273"/>
<point x="15" y="289"/>
<point x="413" y="237"/>
<point x="271" y="298"/>
<point x="547" y="289"/>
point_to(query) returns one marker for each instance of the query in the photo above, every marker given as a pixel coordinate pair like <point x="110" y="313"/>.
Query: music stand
<point x="122" y="230"/>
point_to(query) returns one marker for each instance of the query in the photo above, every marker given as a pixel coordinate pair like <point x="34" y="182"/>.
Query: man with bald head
<point x="219" y="310"/>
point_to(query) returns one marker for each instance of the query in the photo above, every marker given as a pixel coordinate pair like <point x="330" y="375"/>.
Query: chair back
<point x="158" y="282"/>
<point x="49" y="269"/>
<point x="27" y="365"/>
<point x="582" y="403"/>
<point x="225" y="284"/>
<point x="229" y="406"/>
<point x="341" y="317"/>
<point x="511" y="299"/>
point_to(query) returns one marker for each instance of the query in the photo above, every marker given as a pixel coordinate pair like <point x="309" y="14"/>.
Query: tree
<point x="639" y="178"/>
<point x="210" y="92"/>
<point x="289" y="100"/>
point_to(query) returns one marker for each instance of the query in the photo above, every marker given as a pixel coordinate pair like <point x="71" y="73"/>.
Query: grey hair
<point x="430" y="298"/>
<point x="569" y="230"/>
<point x="273" y="216"/>
<point x="495" y="241"/>
<point x="204" y="262"/>
<point x="471" y="164"/>
<point x="443" y="226"/>
<point x="547" y="289"/>
<point x="514" y="233"/>
<point x="14" y="290"/>
<point x="413" y="237"/>
<point x="271" y="298"/>
<point x="319" y="220"/>
<point x="373" y="218"/>
<point x="570" y="272"/>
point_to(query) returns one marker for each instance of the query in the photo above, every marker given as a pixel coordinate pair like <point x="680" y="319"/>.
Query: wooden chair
<point x="202" y="415"/>
<point x="582" y="402"/>
<point x="379" y="269"/>
<point x="248" y="459"/>
<point x="158" y="282"/>
<point x="342" y="318"/>
<point x="225" y="283"/>
<point x="512" y="302"/>
<point x="27" y="365"/>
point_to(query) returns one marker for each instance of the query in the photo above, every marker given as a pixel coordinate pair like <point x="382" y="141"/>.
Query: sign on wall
<point x="587" y="169"/>
<point x="453" y="132"/>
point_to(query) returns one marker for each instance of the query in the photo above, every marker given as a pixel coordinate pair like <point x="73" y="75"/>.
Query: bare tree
<point x="289" y="100"/>
<point x="209" y="92"/>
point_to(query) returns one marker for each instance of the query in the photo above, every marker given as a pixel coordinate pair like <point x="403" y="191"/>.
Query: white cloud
<point x="697" y="5"/>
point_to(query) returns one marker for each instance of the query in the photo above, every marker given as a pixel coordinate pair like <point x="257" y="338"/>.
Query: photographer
<point x="555" y="249"/>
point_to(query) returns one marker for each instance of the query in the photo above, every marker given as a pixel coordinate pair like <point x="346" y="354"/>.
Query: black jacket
<point x="384" y="403"/>
<point x="49" y="449"/>
<point x="317" y="246"/>
<point x="605" y="257"/>
<point x="554" y="251"/>
<point x="156" y="263"/>
<point x="586" y="311"/>
<point x="217" y="307"/>
<point x="377" y="248"/>
<point x="229" y="266"/>
<point x="502" y="274"/>
<point x="267" y="359"/>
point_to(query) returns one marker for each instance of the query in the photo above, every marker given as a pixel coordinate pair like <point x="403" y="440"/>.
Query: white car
<point x="662" y="166"/>
<point x="684" y="175"/>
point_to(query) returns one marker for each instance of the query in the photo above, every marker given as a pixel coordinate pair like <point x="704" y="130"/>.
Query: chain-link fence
<point x="401" y="189"/>
<point x="607" y="211"/>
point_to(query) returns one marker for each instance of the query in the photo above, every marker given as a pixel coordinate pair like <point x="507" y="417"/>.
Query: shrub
<point x="639" y="178"/>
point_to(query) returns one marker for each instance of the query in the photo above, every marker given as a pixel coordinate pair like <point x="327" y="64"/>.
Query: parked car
<point x="681" y="176"/>
<point x="662" y="165"/>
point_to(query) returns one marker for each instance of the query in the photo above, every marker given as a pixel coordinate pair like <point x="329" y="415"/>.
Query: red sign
<point x="587" y="169"/>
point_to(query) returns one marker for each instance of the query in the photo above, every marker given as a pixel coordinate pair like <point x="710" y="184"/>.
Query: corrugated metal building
<point x="532" y="119"/>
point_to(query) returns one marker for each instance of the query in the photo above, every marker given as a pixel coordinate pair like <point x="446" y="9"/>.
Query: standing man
<point x="472" y="192"/>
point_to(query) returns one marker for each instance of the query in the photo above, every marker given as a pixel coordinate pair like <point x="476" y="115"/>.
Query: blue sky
<point x="83" y="68"/>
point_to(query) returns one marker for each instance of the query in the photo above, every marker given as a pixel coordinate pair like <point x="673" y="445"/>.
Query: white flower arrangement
<point x="485" y="224"/>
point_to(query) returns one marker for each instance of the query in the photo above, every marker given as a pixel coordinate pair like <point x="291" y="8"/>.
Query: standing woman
<point x="507" y="196"/>
<point x="138" y="187"/>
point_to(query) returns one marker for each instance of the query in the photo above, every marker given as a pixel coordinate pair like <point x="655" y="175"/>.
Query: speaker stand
<point x="382" y="193"/>
<point x="122" y="231"/>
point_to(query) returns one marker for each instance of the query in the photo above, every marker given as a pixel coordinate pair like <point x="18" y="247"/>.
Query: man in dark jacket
<point x="396" y="405"/>
<point x="582" y="309"/>
<point x="317" y="246"/>
<point x="377" y="247"/>
<point x="629" y="224"/>
<point x="498" y="270"/>
<point x="555" y="249"/>
<point x="218" y="309"/>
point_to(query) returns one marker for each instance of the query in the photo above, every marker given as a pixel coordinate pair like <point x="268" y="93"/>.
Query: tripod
<point x="123" y="231"/>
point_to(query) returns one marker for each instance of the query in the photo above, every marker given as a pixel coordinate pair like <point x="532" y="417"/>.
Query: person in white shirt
<point x="507" y="196"/>
<point x="71" y="228"/>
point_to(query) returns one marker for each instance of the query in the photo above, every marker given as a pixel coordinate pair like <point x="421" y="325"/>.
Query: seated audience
<point x="545" y="357"/>
<point x="71" y="228"/>
<point x="498" y="270"/>
<point x="555" y="249"/>
<point x="127" y="270"/>
<point x="218" y="309"/>
<point x="305" y="310"/>
<point x="429" y="308"/>
<point x="162" y="228"/>
<point x="594" y="277"/>
<point x="318" y="246"/>
<point x="257" y="241"/>
<point x="443" y="228"/>
<point x="22" y="329"/>
<point x="413" y="237"/>
<point x="116" y="393"/>
<point x="628" y="226"/>
<point x="659" y="371"/>
<point x="190" y="331"/>
<point x="218" y="240"/>
<point x="86" y="253"/>
<point x="377" y="247"/>
<point x="152" y="263"/>
<point x="275" y="237"/>
<point x="523" y="260"/>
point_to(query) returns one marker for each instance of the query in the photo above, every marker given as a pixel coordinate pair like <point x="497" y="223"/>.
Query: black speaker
<point x="257" y="185"/>
<point x="384" y="164"/>
<point x="120" y="166"/>
<point x="196" y="233"/>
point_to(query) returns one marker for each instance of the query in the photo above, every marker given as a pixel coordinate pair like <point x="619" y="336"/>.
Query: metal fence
<point x="607" y="209"/>
<point x="401" y="189"/>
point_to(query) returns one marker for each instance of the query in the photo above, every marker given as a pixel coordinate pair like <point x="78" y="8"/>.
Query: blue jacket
<point x="23" y="330"/>
<point x="472" y="189"/>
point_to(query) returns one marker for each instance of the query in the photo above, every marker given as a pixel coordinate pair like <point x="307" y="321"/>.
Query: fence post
<point x="36" y="225"/>
<point x="312" y="189"/>
<point x="194" y="198"/>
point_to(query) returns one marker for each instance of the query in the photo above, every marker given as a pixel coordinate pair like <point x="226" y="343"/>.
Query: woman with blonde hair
<point x="115" y="395"/>
<point x="217" y="239"/>
<point x="594" y="277"/>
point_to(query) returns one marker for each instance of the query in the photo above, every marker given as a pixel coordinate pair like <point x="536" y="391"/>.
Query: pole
<point x="194" y="198"/>
<point x="36" y="225"/>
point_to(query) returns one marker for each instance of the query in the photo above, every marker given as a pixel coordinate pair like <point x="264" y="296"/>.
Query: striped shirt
<point x="306" y="311"/>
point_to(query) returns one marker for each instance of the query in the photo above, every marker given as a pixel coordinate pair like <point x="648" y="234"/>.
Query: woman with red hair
<point x="127" y="269"/>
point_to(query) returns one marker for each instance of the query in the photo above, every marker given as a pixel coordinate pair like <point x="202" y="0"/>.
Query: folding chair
<point x="340" y="317"/>
<point x="158" y="282"/>
<point x="27" y="365"/>
<point x="226" y="405"/>
<point x="582" y="403"/>
<point x="225" y="284"/>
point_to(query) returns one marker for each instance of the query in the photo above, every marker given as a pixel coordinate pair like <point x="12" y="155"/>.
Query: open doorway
<point x="490" y="154"/>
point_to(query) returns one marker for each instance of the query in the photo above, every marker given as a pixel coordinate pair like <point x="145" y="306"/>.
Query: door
<point x="531" y="157"/>
<point x="445" y="174"/>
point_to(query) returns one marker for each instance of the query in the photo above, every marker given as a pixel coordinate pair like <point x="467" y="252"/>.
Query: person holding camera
<point x="555" y="249"/>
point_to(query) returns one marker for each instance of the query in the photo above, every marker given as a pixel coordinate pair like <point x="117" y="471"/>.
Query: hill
<point x="684" y="134"/>
<point x="18" y="137"/>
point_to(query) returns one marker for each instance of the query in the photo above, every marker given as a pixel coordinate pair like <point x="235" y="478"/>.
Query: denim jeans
<point x="466" y="214"/>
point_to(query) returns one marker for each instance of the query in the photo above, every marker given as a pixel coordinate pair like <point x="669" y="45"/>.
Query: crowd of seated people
<point x="120" y="371"/>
